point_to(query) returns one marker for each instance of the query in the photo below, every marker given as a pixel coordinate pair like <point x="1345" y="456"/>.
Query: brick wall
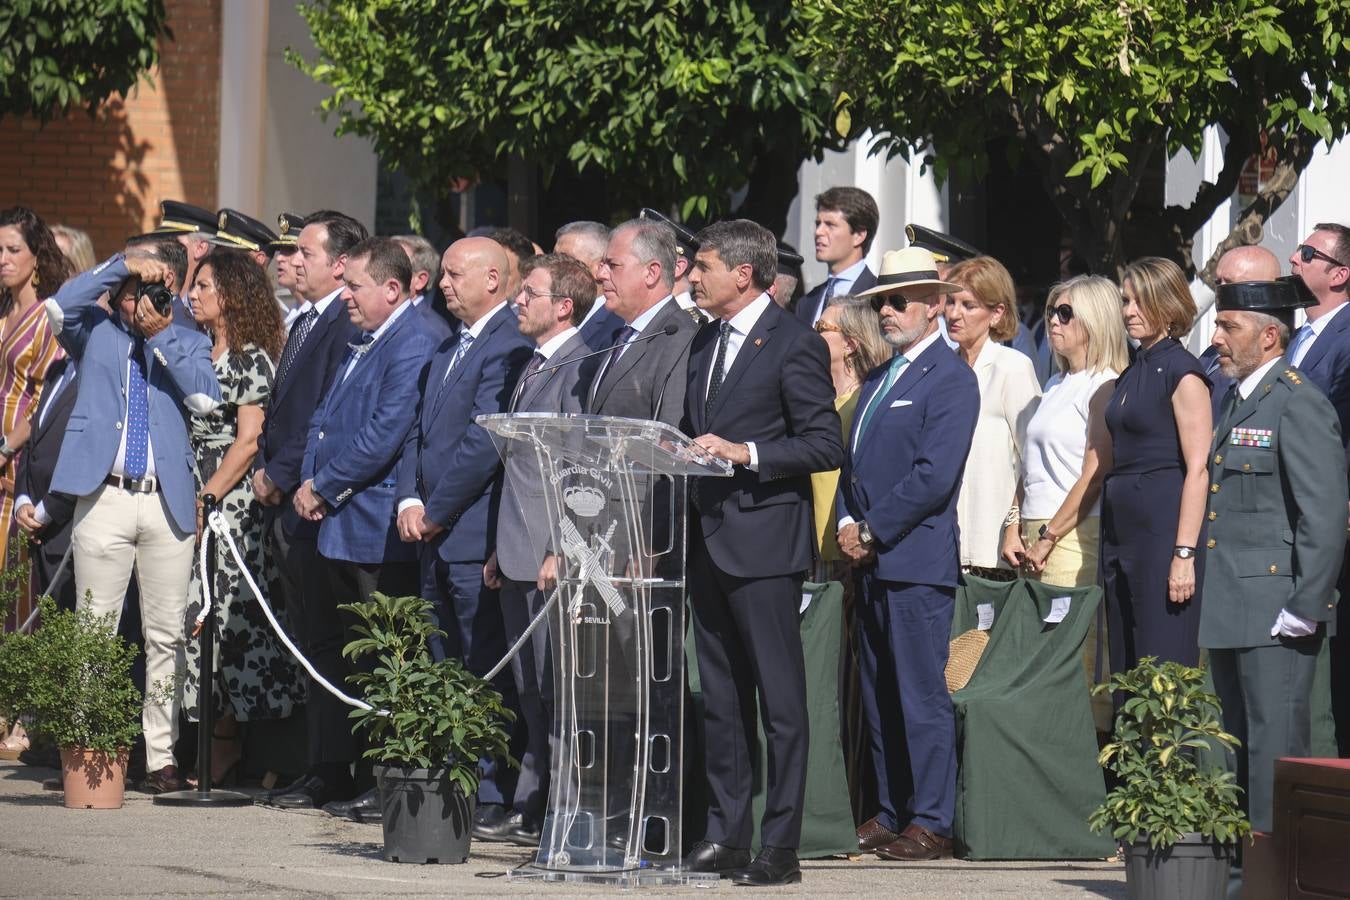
<point x="108" y="174"/>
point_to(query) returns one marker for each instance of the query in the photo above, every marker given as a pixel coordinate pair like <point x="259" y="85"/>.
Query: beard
<point x="1243" y="361"/>
<point x="900" y="339"/>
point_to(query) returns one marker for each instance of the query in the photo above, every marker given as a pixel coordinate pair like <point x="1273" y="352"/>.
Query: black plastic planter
<point x="426" y="817"/>
<point x="1194" y="868"/>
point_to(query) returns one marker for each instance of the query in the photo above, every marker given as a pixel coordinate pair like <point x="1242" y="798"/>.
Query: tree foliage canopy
<point x="681" y="101"/>
<point x="1090" y="91"/>
<point x="60" y="54"/>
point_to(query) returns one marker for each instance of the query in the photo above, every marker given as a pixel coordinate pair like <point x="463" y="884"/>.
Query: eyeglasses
<point x="822" y="326"/>
<point x="1308" y="254"/>
<point x="1063" y="312"/>
<point x="530" y="293"/>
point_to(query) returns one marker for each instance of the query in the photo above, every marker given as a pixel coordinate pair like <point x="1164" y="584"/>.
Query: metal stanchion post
<point x="206" y="684"/>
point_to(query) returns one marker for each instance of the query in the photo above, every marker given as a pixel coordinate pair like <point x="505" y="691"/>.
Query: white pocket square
<point x="902" y="403"/>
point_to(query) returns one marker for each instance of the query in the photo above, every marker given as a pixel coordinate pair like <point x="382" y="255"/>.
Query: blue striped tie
<point x="138" y="415"/>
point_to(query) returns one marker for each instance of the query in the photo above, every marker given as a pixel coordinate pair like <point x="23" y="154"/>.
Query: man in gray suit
<point x="644" y="377"/>
<point x="556" y="293"/>
<point x="1277" y="529"/>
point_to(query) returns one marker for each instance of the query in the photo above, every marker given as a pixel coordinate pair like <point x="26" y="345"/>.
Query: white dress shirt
<point x="843" y="284"/>
<point x="375" y="336"/>
<point x="120" y="461"/>
<point x="741" y="323"/>
<point x="1316" y="327"/>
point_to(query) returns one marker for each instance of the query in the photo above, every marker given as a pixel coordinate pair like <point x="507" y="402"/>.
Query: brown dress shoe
<point x="872" y="834"/>
<point x="162" y="781"/>
<point x="916" y="843"/>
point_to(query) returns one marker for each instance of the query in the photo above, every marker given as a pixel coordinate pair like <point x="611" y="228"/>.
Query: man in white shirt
<point x="1276" y="522"/>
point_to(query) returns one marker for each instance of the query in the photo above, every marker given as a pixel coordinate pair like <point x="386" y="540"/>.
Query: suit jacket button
<point x="118" y="426"/>
<point x="320" y="435"/>
<point x="1273" y="570"/>
<point x="1213" y="515"/>
<point x="1210" y="543"/>
<point x="1218" y="458"/>
<point x="1246" y="467"/>
<point x="1214" y="488"/>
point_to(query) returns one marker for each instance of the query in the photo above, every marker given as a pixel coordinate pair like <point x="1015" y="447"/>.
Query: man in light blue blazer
<point x="348" y="478"/>
<point x="126" y="456"/>
<point x="450" y="478"/>
<point x="897" y="508"/>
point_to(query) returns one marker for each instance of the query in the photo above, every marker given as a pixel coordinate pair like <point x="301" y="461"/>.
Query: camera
<point x="160" y="297"/>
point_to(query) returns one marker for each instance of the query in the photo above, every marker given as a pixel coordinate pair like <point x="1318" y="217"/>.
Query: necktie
<point x="1230" y="402"/>
<point x="893" y="373"/>
<point x="138" y="416"/>
<point x="1296" y="346"/>
<point x="465" y="342"/>
<point x="626" y="334"/>
<point x="719" y="363"/>
<point x="536" y="363"/>
<point x="825" y="298"/>
<point x="299" y="331"/>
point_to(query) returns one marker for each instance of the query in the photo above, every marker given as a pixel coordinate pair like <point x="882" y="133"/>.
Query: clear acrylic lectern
<point x="611" y="494"/>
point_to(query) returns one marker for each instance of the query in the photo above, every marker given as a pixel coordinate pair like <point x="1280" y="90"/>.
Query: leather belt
<point x="147" y="485"/>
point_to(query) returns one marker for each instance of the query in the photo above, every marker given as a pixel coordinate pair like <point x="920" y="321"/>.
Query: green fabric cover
<point x="1027" y="773"/>
<point x="827" y="820"/>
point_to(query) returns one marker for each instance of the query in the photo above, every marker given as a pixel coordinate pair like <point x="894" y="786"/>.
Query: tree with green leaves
<point x="1091" y="94"/>
<point x="679" y="102"/>
<point x="57" y="55"/>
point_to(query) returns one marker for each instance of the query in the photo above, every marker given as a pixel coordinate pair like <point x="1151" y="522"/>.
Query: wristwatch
<point x="864" y="533"/>
<point x="5" y="449"/>
<point x="1046" y="534"/>
<point x="1183" y="552"/>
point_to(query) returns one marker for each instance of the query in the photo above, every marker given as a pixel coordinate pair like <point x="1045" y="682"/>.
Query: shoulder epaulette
<point x="1293" y="376"/>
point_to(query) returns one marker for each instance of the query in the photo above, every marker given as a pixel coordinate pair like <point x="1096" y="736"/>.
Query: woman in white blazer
<point x="979" y="318"/>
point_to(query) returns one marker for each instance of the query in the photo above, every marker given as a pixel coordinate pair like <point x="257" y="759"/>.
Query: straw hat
<point x="963" y="657"/>
<point x="912" y="267"/>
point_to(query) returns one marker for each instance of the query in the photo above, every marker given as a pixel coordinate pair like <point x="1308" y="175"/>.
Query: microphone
<point x="520" y="385"/>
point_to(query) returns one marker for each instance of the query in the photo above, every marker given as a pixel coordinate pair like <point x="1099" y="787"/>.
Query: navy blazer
<point x="778" y="394"/>
<point x="37" y="463"/>
<point x="808" y="305"/>
<point x="177" y="368"/>
<point x="903" y="477"/>
<point x="1327" y="365"/>
<point x="281" y="446"/>
<point x="602" y="329"/>
<point x="355" y="439"/>
<point x="436" y="324"/>
<point x="450" y="462"/>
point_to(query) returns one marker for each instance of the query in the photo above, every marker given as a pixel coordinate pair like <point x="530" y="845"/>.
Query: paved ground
<point x="143" y="850"/>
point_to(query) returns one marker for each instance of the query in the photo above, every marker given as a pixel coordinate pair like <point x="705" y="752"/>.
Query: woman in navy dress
<point x="1153" y="500"/>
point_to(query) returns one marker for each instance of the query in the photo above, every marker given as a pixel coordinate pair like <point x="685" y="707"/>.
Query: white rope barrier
<point x="216" y="522"/>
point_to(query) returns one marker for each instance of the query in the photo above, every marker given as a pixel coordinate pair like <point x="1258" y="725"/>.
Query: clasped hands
<point x="852" y="546"/>
<point x="413" y="525"/>
<point x="310" y="506"/>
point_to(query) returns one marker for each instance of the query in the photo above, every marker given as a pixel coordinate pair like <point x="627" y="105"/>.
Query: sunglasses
<point x="1308" y="254"/>
<point x="1063" y="313"/>
<point x="822" y="327"/>
<point x="896" y="301"/>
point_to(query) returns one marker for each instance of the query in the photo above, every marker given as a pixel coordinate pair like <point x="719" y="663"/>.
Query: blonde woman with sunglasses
<point x="1055" y="534"/>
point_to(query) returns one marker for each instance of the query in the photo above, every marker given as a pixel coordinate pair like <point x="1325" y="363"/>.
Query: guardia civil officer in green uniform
<point x="1277" y="531"/>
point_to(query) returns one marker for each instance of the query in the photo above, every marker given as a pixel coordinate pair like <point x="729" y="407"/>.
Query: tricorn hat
<point x="912" y="267"/>
<point x="1283" y="295"/>
<point x="944" y="247"/>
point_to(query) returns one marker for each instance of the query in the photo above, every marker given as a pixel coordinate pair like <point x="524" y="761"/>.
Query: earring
<point x="35" y="278"/>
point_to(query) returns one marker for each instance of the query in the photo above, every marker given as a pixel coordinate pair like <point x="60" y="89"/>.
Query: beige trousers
<point x="1073" y="563"/>
<point x="116" y="530"/>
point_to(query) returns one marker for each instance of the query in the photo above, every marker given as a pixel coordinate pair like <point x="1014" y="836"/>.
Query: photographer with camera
<point x="127" y="458"/>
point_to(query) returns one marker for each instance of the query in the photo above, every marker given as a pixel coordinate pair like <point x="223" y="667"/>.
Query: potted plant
<point x="1177" y="813"/>
<point x="71" y="679"/>
<point x="429" y="724"/>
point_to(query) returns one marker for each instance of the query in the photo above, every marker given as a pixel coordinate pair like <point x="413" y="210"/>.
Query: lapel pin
<point x="759" y="342"/>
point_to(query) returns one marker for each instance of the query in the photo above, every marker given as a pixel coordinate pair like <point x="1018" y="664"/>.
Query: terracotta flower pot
<point x="93" y="779"/>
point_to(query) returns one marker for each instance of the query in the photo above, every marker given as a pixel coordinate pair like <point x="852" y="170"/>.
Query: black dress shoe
<point x="773" y="866"/>
<point x="509" y="827"/>
<point x="287" y="789"/>
<point x="313" y="794"/>
<point x="705" y="856"/>
<point x="365" y="809"/>
<point x="488" y="822"/>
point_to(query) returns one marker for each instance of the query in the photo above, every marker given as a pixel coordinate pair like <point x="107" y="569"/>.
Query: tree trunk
<point x="773" y="185"/>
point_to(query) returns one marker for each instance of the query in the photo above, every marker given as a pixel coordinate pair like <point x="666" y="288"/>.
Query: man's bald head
<point x="473" y="277"/>
<point x="1247" y="264"/>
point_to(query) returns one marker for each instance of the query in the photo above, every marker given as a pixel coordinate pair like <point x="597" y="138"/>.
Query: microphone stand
<point x="203" y="795"/>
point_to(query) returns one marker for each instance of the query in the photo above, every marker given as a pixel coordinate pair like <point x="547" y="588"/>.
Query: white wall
<point x="305" y="167"/>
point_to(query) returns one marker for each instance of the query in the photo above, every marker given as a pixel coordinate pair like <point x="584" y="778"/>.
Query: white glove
<point x="1292" y="626"/>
